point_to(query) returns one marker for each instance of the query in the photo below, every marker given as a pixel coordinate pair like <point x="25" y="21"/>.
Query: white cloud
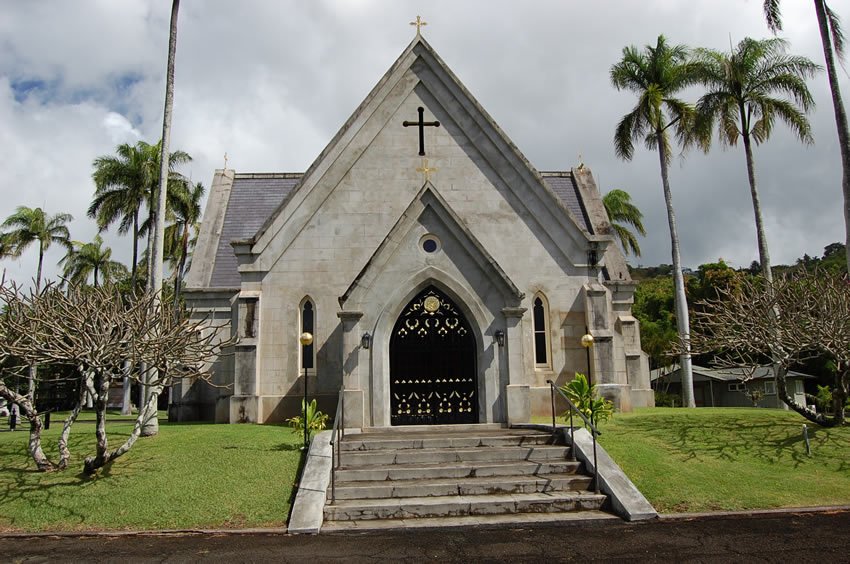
<point x="270" y="82"/>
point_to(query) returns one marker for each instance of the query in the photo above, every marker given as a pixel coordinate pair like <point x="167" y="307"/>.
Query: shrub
<point x="316" y="420"/>
<point x="584" y="397"/>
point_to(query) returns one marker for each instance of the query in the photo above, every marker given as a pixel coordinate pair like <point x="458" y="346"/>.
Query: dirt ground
<point x="776" y="537"/>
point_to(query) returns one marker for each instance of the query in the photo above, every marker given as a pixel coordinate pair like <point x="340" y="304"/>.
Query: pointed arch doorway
<point x="433" y="375"/>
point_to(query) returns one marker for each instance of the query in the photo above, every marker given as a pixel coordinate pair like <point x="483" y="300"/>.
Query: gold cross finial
<point x="225" y="161"/>
<point x="424" y="169"/>
<point x="418" y="23"/>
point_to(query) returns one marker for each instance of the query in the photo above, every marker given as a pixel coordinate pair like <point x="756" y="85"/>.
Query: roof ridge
<point x="289" y="175"/>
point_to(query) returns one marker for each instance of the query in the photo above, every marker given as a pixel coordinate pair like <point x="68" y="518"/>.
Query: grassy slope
<point x="187" y="476"/>
<point x="729" y="459"/>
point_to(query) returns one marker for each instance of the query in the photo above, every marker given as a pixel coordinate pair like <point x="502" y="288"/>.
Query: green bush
<point x="584" y="397"/>
<point x="665" y="399"/>
<point x="316" y="420"/>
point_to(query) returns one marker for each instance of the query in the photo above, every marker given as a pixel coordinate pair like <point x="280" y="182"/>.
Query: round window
<point x="430" y="244"/>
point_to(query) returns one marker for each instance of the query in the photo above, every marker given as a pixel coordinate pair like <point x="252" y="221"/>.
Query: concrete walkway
<point x="786" y="536"/>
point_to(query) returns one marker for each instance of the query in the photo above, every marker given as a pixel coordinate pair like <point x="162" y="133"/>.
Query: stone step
<point x="589" y="516"/>
<point x="395" y="442"/>
<point x="465" y="486"/>
<point x="418" y="429"/>
<point x="435" y="455"/>
<point x="454" y="506"/>
<point x="456" y="470"/>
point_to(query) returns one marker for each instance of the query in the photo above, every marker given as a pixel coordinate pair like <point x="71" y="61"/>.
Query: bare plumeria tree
<point x="742" y="329"/>
<point x="98" y="333"/>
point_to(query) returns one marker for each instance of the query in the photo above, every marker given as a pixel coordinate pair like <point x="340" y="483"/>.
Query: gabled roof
<point x="255" y="196"/>
<point x="417" y="67"/>
<point x="429" y="198"/>
<point x="727" y="374"/>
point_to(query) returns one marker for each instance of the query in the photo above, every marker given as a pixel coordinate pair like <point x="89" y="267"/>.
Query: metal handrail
<point x="594" y="432"/>
<point x="338" y="426"/>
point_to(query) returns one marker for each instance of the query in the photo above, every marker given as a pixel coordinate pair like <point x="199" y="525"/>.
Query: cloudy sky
<point x="270" y="82"/>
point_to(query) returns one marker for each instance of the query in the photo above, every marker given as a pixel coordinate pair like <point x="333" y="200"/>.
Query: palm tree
<point x="151" y="425"/>
<point x="181" y="235"/>
<point x="126" y="181"/>
<point x="30" y="225"/>
<point x="8" y="249"/>
<point x="91" y="259"/>
<point x="832" y="40"/>
<point x="123" y="183"/>
<point x="159" y="232"/>
<point x="618" y="204"/>
<point x="741" y="98"/>
<point x="655" y="75"/>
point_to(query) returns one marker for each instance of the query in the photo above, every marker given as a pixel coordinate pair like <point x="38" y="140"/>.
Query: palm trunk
<point x="126" y="407"/>
<point x="40" y="261"/>
<point x="135" y="266"/>
<point x="181" y="265"/>
<point x="151" y="425"/>
<point x="95" y="276"/>
<point x="764" y="255"/>
<point x="33" y="368"/>
<point x="682" y="318"/>
<point x="840" y="118"/>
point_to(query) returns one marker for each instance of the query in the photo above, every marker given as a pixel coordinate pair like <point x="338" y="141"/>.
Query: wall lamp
<point x="366" y="340"/>
<point x="500" y="338"/>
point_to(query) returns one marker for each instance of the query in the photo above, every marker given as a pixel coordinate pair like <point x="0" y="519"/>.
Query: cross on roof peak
<point x="418" y="23"/>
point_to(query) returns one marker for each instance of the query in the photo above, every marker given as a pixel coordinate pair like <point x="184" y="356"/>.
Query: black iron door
<point x="432" y="364"/>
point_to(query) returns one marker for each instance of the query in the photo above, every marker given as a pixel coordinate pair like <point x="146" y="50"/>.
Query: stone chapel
<point x="444" y="279"/>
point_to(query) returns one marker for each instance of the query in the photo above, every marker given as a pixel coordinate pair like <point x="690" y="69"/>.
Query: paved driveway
<point x="784" y="537"/>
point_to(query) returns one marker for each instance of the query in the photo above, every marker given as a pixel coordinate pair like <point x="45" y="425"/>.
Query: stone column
<point x="599" y="318"/>
<point x="245" y="405"/>
<point x="351" y="357"/>
<point x="517" y="395"/>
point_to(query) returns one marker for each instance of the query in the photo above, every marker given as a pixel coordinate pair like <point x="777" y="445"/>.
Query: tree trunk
<point x="135" y="265"/>
<point x="27" y="410"/>
<point x="86" y="386"/>
<point x="40" y="262"/>
<point x="764" y="255"/>
<point x="181" y="265"/>
<point x="840" y="118"/>
<point x="151" y="425"/>
<point x="127" y="402"/>
<point x="779" y="372"/>
<point x="92" y="463"/>
<point x="682" y="318"/>
<point x="33" y="368"/>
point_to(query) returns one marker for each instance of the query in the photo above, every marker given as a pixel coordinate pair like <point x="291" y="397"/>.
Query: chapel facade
<point x="443" y="278"/>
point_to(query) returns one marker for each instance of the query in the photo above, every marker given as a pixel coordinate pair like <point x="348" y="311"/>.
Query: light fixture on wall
<point x="587" y="343"/>
<point x="366" y="341"/>
<point x="500" y="338"/>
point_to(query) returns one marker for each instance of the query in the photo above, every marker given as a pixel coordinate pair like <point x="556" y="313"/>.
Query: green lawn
<point x="190" y="475"/>
<point x="729" y="459"/>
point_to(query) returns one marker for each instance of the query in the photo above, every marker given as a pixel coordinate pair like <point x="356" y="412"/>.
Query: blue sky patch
<point x="23" y="88"/>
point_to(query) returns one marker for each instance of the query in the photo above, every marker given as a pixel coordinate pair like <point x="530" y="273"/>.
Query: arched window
<point x="540" y="316"/>
<point x="308" y="325"/>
